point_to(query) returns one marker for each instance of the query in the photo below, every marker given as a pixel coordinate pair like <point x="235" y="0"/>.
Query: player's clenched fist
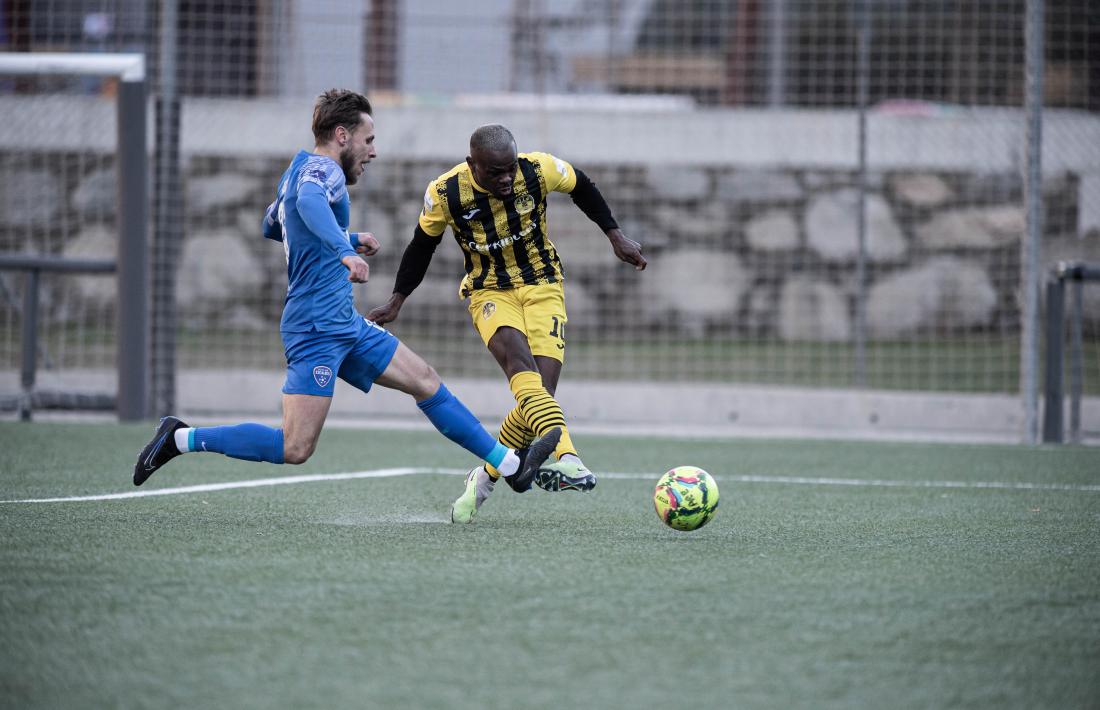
<point x="358" y="270"/>
<point x="368" y="245"/>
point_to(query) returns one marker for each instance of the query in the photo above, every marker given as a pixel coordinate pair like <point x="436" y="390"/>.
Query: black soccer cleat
<point x="159" y="451"/>
<point x="531" y="459"/>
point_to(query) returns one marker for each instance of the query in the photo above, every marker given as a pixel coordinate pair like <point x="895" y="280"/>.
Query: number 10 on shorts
<point x="558" y="331"/>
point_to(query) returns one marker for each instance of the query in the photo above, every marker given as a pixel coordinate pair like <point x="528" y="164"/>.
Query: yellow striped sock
<point x="514" y="433"/>
<point x="540" y="411"/>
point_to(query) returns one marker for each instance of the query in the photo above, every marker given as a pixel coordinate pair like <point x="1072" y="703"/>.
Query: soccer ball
<point x="686" y="498"/>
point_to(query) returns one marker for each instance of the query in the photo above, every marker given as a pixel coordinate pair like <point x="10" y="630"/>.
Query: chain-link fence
<point x="831" y="194"/>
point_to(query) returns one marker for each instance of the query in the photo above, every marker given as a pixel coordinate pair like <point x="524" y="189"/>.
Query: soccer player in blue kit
<point x="324" y="337"/>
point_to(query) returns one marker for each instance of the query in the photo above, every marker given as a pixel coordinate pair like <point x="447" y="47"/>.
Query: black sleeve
<point x="414" y="262"/>
<point x="587" y="196"/>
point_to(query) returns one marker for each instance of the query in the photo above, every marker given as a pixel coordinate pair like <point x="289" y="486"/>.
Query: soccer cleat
<point x="478" y="487"/>
<point x="159" y="451"/>
<point x="565" y="476"/>
<point x="532" y="458"/>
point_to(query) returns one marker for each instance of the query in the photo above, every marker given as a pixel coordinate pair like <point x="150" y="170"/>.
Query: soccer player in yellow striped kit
<point x="495" y="205"/>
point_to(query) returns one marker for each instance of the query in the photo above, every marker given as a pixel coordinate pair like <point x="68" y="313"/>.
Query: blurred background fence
<point x="832" y="195"/>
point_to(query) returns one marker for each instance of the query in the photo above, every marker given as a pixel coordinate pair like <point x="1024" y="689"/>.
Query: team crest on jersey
<point x="322" y="375"/>
<point x="524" y="203"/>
<point x="488" y="310"/>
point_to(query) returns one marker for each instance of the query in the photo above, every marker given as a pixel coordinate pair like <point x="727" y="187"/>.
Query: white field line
<point x="254" y="483"/>
<point x="391" y="472"/>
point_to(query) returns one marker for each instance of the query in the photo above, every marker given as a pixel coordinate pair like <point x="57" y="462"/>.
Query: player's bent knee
<point x="296" y="457"/>
<point x="423" y="380"/>
<point x="297" y="453"/>
<point x="427" y="383"/>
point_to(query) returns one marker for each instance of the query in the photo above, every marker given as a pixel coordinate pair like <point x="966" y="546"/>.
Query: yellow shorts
<point x="536" y="311"/>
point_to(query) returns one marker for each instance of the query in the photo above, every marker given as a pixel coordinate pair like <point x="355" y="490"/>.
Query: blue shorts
<point x="358" y="357"/>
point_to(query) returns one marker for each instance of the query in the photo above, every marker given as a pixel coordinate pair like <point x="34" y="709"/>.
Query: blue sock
<point x="458" y="424"/>
<point x="250" y="442"/>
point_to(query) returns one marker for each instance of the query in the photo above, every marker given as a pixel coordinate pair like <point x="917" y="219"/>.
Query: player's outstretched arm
<point x="387" y="312"/>
<point x="414" y="264"/>
<point x="589" y="199"/>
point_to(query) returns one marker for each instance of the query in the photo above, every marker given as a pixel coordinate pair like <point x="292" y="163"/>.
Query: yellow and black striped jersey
<point x="505" y="242"/>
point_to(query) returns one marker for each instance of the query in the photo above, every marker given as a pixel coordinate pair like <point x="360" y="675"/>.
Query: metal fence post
<point x="133" y="254"/>
<point x="169" y="210"/>
<point x="1033" y="197"/>
<point x="1076" y="357"/>
<point x="30" y="343"/>
<point x="863" y="69"/>
<point x="1052" y="399"/>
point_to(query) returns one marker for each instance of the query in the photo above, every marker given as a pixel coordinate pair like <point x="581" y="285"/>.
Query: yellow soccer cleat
<point x="565" y="475"/>
<point x="478" y="487"/>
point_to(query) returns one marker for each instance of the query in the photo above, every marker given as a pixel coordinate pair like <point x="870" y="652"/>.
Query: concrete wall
<point x="627" y="130"/>
<point x="693" y="411"/>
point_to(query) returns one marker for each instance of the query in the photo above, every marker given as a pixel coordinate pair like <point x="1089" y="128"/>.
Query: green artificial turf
<point x="359" y="593"/>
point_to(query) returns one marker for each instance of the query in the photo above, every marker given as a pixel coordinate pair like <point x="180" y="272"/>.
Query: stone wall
<point x="768" y="253"/>
<point x="748" y="217"/>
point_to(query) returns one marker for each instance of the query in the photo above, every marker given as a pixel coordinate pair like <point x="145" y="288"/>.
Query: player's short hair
<point x="338" y="107"/>
<point x="492" y="137"/>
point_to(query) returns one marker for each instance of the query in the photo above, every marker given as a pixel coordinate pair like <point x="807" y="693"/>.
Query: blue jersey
<point x="310" y="217"/>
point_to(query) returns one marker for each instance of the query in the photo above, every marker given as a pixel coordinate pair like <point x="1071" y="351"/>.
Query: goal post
<point x="1073" y="274"/>
<point x="132" y="270"/>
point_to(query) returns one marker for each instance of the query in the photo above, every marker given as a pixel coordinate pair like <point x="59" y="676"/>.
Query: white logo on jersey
<point x="282" y="223"/>
<point x="471" y="213"/>
<point x="501" y="243"/>
<point x="562" y="167"/>
<point x="429" y="203"/>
